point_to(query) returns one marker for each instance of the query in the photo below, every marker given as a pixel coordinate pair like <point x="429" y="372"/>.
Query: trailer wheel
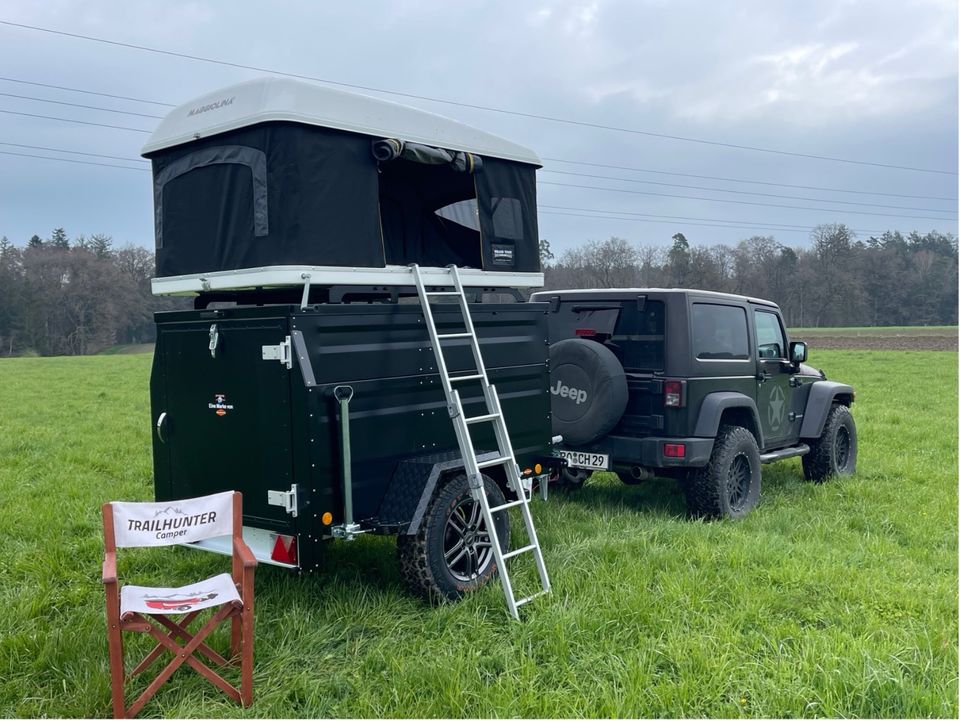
<point x="451" y="553"/>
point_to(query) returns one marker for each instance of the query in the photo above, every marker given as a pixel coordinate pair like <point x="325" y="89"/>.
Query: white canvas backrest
<point x="172" y="522"/>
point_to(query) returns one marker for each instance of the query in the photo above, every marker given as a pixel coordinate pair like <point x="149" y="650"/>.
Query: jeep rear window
<point x="638" y="336"/>
<point x="719" y="332"/>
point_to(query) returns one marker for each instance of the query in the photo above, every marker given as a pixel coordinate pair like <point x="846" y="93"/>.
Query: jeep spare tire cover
<point x="588" y="390"/>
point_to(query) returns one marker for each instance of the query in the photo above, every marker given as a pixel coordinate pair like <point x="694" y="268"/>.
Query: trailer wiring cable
<point x="552" y="160"/>
<point x="548" y="118"/>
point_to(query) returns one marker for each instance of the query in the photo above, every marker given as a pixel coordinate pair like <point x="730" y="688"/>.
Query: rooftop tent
<point x="276" y="172"/>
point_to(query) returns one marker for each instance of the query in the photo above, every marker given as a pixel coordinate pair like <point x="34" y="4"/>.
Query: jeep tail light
<point x="285" y="549"/>
<point x="585" y="332"/>
<point x="673" y="394"/>
<point x="674" y="450"/>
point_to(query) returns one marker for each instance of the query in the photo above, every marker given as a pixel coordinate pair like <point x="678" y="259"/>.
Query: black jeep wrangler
<point x="699" y="386"/>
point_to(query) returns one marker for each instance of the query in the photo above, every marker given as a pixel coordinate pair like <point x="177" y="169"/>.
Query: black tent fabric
<point x="282" y="193"/>
<point x="320" y="189"/>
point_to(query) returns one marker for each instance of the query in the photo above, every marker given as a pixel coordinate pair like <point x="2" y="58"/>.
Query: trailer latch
<point x="286" y="499"/>
<point x="214" y="338"/>
<point x="281" y="352"/>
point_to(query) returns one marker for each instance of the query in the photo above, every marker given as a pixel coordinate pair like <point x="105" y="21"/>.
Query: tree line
<point x="839" y="280"/>
<point x="63" y="297"/>
<point x="72" y="297"/>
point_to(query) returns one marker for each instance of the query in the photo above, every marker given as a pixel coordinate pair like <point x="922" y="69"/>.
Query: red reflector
<point x="285" y="550"/>
<point x="674" y="450"/>
<point x="585" y="332"/>
<point x="673" y="394"/>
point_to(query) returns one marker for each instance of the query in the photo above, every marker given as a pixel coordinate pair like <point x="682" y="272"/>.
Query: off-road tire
<point x="421" y="555"/>
<point x="834" y="453"/>
<point x="721" y="489"/>
<point x="572" y="479"/>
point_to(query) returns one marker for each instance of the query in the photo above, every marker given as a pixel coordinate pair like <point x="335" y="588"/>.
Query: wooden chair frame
<point x="168" y="632"/>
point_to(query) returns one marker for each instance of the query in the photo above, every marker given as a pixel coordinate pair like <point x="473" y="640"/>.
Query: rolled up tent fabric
<point x="387" y="149"/>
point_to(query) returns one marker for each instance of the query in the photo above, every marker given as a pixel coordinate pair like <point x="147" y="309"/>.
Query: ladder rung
<point x="482" y="419"/>
<point x="494" y="462"/>
<point x="505" y="506"/>
<point x="474" y="377"/>
<point x="448" y="336"/>
<point x="442" y="292"/>
<point x="517" y="552"/>
<point x="528" y="599"/>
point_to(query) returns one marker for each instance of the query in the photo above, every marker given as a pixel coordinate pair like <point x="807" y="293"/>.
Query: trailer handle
<point x="343" y="395"/>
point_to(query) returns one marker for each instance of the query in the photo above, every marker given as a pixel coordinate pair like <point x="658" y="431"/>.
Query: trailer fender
<point x="822" y="396"/>
<point x="413" y="485"/>
<point x="712" y="408"/>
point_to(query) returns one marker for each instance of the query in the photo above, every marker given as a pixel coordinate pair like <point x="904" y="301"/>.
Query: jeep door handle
<point x="763" y="376"/>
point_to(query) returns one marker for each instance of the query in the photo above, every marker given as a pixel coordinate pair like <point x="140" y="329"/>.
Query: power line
<point x="553" y="160"/>
<point x="741" y="202"/>
<point x="743" y="180"/>
<point x="75" y="152"/>
<point x="78" y="105"/>
<point x="747" y="192"/>
<point x="561" y="210"/>
<point x="87" y="92"/>
<point x="566" y="121"/>
<point x="687" y="217"/>
<point x="71" y="120"/>
<point x="71" y="160"/>
<point x="689" y="223"/>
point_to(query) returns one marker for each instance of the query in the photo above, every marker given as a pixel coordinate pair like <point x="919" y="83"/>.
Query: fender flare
<point x="819" y="402"/>
<point x="713" y="406"/>
<point x="413" y="485"/>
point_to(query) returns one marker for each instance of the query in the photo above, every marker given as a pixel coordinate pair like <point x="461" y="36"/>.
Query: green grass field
<point x="836" y="600"/>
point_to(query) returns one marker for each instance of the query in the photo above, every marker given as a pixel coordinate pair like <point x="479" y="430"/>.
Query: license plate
<point x="593" y="461"/>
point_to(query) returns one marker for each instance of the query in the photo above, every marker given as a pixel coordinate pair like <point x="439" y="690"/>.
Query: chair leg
<point x="236" y="637"/>
<point x="115" y="640"/>
<point x="246" y="660"/>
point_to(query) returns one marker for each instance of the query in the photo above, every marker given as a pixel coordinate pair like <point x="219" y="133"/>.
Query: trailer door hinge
<point x="286" y="499"/>
<point x="281" y="352"/>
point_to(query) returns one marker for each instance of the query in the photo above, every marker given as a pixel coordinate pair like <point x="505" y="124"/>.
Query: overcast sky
<point x="869" y="81"/>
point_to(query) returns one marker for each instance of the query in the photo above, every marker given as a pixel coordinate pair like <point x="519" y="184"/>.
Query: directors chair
<point x="143" y="609"/>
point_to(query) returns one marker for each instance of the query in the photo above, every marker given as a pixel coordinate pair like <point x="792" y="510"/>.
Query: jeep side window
<point x="770" y="341"/>
<point x="719" y="332"/>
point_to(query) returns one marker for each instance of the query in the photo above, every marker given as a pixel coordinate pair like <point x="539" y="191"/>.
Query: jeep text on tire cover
<point x="714" y="388"/>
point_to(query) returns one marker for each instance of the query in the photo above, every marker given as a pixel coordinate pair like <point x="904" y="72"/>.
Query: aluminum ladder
<point x="461" y="425"/>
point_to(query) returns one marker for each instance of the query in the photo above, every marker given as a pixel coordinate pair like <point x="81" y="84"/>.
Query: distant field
<point x="933" y="337"/>
<point x="836" y="600"/>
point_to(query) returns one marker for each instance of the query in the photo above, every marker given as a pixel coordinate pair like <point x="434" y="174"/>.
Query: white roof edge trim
<point x="282" y="99"/>
<point x="279" y="276"/>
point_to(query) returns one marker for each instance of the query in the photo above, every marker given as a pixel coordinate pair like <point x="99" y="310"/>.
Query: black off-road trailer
<point x="310" y="374"/>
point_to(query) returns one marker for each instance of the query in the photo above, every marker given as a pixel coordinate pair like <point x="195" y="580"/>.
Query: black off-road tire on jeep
<point x="429" y="559"/>
<point x="729" y="485"/>
<point x="834" y="453"/>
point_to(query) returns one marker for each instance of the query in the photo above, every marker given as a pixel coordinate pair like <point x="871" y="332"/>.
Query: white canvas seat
<point x="215" y="591"/>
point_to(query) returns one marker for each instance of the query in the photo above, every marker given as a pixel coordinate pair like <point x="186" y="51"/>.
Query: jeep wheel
<point x="835" y="452"/>
<point x="452" y="553"/>
<point x="729" y="485"/>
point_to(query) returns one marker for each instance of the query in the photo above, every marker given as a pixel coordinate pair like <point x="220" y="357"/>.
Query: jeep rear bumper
<point x="649" y="451"/>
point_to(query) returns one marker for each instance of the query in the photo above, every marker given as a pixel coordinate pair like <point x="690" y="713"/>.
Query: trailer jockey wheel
<point x="451" y="554"/>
